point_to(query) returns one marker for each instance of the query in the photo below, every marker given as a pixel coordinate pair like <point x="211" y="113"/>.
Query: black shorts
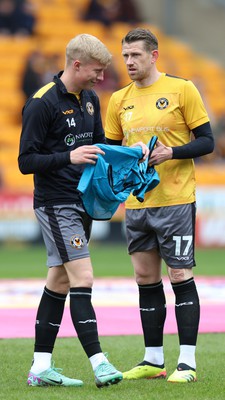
<point x="170" y="229"/>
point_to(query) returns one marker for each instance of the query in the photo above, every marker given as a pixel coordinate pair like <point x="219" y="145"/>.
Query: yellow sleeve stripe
<point x="43" y="90"/>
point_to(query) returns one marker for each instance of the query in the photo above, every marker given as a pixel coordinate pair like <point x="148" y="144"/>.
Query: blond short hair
<point x="86" y="48"/>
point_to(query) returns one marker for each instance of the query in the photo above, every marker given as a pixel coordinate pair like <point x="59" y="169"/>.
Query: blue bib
<point x="117" y="174"/>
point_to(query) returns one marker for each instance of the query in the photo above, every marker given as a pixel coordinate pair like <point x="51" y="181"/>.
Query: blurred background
<point x="33" y="37"/>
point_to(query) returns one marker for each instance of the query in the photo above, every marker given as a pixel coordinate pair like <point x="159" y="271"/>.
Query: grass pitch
<point x="124" y="351"/>
<point x="108" y="260"/>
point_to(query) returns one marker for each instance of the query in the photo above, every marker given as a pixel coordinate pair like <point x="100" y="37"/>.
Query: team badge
<point x="69" y="139"/>
<point x="90" y="108"/>
<point x="162" y="103"/>
<point x="77" y="242"/>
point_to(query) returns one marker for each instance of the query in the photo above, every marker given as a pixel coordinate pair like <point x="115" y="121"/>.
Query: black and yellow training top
<point x="54" y="122"/>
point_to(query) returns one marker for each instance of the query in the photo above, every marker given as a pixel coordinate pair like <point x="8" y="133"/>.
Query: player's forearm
<point x="38" y="163"/>
<point x="202" y="145"/>
<point x="197" y="148"/>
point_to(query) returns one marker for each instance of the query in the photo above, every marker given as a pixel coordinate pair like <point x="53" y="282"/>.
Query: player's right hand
<point x="85" y="154"/>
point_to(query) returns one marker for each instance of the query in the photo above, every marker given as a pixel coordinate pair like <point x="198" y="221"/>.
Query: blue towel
<point x="117" y="174"/>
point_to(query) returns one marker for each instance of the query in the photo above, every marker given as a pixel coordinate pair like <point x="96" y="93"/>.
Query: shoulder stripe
<point x="43" y="90"/>
<point x="176" y="77"/>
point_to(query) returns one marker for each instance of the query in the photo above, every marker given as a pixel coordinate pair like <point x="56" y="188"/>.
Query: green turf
<point x="108" y="260"/>
<point x="124" y="352"/>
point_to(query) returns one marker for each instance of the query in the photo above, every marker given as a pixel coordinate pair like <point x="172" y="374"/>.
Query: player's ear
<point x="155" y="55"/>
<point x="76" y="64"/>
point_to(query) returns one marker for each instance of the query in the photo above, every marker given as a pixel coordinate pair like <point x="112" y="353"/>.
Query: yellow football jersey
<point x="169" y="108"/>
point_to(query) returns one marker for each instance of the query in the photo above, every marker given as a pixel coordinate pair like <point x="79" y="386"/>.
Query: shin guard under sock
<point x="187" y="311"/>
<point x="48" y="320"/>
<point x="153" y="313"/>
<point x="84" y="320"/>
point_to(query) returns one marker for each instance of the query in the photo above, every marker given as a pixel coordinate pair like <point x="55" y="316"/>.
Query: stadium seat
<point x="16" y="182"/>
<point x="57" y="22"/>
<point x="9" y="138"/>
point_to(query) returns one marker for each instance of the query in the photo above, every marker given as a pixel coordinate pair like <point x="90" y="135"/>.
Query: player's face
<point x="138" y="61"/>
<point x="90" y="74"/>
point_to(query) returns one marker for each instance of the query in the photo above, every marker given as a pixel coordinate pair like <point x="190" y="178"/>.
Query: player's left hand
<point x="160" y="154"/>
<point x="145" y="150"/>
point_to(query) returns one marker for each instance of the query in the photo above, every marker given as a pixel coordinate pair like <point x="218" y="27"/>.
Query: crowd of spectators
<point x="17" y="17"/>
<point x="219" y="134"/>
<point x="110" y="11"/>
<point x="39" y="70"/>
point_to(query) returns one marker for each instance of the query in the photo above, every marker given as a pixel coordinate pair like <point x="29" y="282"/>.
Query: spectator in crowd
<point x="111" y="80"/>
<point x="219" y="129"/>
<point x="38" y="71"/>
<point x="32" y="78"/>
<point x="110" y="11"/>
<point x="52" y="66"/>
<point x="16" y="17"/>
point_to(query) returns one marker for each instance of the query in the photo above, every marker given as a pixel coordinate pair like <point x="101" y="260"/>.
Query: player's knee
<point x="64" y="287"/>
<point x="147" y="278"/>
<point x="84" y="280"/>
<point x="178" y="275"/>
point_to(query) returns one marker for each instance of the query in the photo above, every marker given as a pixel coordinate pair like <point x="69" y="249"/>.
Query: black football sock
<point x="187" y="311"/>
<point x="84" y="320"/>
<point x="152" y="303"/>
<point x="48" y="320"/>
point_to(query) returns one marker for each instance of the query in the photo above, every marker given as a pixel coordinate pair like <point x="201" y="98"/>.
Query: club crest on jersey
<point x="162" y="103"/>
<point x="69" y="139"/>
<point x="90" y="108"/>
<point x="77" y="242"/>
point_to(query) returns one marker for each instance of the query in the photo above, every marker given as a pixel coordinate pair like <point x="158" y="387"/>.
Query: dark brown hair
<point x="140" y="34"/>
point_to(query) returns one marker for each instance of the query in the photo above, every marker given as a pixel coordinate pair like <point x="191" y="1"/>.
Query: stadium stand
<point x="57" y="21"/>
